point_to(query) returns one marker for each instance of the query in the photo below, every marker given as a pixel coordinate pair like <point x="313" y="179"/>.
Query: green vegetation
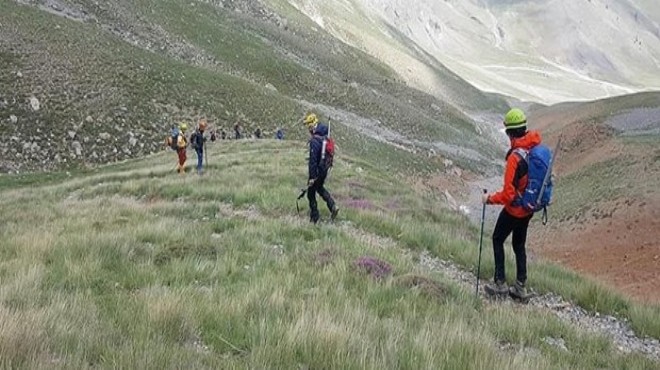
<point x="604" y="181"/>
<point x="130" y="265"/>
<point x="620" y="104"/>
<point x="630" y="176"/>
<point x="134" y="265"/>
<point x="137" y="67"/>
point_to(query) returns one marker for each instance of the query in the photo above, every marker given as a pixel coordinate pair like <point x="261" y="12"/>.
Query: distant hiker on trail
<point x="280" y="134"/>
<point x="321" y="152"/>
<point x="237" y="131"/>
<point x="257" y="133"/>
<point x="223" y="134"/>
<point x="214" y="135"/>
<point x="181" y="145"/>
<point x="197" y="140"/>
<point x="514" y="218"/>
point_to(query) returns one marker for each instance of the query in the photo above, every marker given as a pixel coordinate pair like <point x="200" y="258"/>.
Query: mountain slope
<point x="543" y="51"/>
<point x="108" y="80"/>
<point x="356" y="26"/>
<point x="94" y="82"/>
<point x="608" y="204"/>
<point x="133" y="265"/>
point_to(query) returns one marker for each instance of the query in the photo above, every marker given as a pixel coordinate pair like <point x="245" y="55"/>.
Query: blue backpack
<point x="172" y="140"/>
<point x="538" y="193"/>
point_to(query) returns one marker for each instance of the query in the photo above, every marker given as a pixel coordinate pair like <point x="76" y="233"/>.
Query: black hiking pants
<point x="318" y="187"/>
<point x="507" y="224"/>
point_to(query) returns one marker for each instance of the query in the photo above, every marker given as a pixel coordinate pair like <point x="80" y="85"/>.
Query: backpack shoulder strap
<point x="324" y="148"/>
<point x="522" y="168"/>
<point x="522" y="153"/>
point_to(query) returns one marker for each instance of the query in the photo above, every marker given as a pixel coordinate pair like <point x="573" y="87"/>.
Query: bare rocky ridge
<point x="541" y="51"/>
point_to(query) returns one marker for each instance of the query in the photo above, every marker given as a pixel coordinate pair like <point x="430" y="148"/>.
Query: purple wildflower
<point x="373" y="267"/>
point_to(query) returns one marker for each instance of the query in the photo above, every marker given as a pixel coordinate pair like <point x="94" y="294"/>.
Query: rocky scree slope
<point x="544" y="51"/>
<point x="92" y="82"/>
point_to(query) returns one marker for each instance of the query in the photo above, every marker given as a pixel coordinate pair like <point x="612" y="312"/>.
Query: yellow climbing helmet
<point x="183" y="126"/>
<point x="515" y="118"/>
<point x="311" y="120"/>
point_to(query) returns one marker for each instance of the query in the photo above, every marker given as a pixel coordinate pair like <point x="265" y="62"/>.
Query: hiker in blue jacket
<point x="197" y="140"/>
<point x="318" y="172"/>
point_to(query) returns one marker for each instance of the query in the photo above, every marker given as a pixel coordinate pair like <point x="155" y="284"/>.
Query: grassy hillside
<point x="132" y="265"/>
<point x="357" y="26"/>
<point x="607" y="198"/>
<point x="610" y="149"/>
<point x="110" y="78"/>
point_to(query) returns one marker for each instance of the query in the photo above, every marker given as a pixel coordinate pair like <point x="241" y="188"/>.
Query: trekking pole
<point x="302" y="194"/>
<point x="481" y="238"/>
<point x="548" y="175"/>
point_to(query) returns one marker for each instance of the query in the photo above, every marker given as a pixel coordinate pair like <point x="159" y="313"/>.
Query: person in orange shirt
<point x="513" y="218"/>
<point x="181" y="145"/>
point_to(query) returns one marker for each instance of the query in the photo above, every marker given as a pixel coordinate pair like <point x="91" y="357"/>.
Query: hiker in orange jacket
<point x="513" y="219"/>
<point x="181" y="145"/>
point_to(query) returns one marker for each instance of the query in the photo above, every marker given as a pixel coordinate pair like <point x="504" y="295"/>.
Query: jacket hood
<point x="530" y="140"/>
<point x="321" y="130"/>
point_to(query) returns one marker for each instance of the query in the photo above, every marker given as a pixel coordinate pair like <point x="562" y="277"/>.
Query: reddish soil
<point x="619" y="243"/>
<point x="622" y="250"/>
<point x="584" y="145"/>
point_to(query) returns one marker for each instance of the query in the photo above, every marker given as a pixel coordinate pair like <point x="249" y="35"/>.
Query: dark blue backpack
<point x="538" y="193"/>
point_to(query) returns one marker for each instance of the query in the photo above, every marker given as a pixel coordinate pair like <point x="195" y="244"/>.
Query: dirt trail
<point x="615" y="329"/>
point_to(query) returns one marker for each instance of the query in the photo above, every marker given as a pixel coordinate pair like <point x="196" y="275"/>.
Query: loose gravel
<point x="618" y="330"/>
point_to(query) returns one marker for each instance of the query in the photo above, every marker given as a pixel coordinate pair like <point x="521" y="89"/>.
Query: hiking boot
<point x="518" y="290"/>
<point x="334" y="214"/>
<point x="496" y="289"/>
